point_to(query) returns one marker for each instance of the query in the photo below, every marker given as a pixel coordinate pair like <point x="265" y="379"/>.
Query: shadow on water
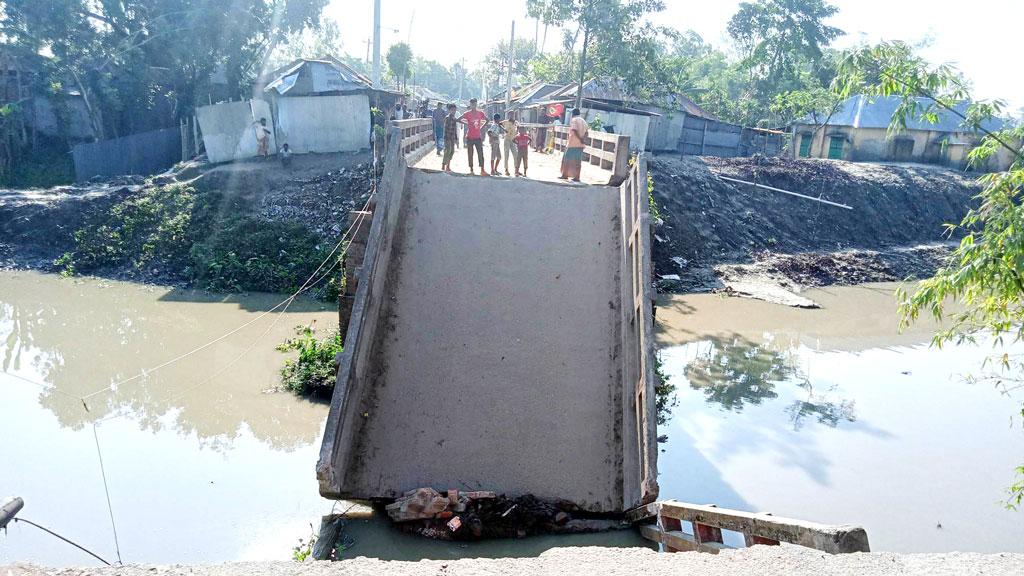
<point x="248" y="301"/>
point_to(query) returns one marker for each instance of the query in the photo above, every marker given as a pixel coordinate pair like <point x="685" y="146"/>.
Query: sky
<point x="984" y="43"/>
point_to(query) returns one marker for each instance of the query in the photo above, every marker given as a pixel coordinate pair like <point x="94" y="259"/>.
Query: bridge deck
<point x="500" y="336"/>
<point x="498" y="345"/>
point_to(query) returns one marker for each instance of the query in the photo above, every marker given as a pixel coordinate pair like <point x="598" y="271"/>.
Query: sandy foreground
<point x="596" y="561"/>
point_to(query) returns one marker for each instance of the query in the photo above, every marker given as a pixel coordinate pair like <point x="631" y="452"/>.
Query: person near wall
<point x="286" y="156"/>
<point x="451" y="137"/>
<point x="475" y="121"/>
<point x="494" y="132"/>
<point x="511" y="130"/>
<point x="549" y="147"/>
<point x="522" y="141"/>
<point x="262" y="138"/>
<point x="572" y="161"/>
<point x="438" y="116"/>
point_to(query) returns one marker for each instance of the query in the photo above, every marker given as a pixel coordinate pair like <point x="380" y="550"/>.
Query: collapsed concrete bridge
<point x="501" y="337"/>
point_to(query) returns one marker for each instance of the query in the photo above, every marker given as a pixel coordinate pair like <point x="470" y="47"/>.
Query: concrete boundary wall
<point x="323" y="124"/>
<point x="228" y="130"/>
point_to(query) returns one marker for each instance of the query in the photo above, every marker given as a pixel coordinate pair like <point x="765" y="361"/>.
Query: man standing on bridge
<point x="451" y="137"/>
<point x="572" y="161"/>
<point x="438" y="117"/>
<point x="475" y="121"/>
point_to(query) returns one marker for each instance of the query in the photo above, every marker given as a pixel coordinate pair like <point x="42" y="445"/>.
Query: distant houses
<point x="859" y="131"/>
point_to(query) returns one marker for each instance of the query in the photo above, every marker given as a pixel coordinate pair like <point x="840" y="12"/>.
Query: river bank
<point x="762" y="560"/>
<point x="247" y="226"/>
<point x="715" y="235"/>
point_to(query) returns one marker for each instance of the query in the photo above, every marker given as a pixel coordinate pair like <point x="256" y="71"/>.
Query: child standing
<point x="494" y="139"/>
<point x="522" y="141"/>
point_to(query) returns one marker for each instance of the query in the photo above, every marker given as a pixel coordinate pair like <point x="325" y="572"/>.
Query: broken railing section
<point x="705" y="525"/>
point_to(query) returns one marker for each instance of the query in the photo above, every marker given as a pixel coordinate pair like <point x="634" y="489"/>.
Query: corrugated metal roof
<point x="877" y="111"/>
<point x="318" y="76"/>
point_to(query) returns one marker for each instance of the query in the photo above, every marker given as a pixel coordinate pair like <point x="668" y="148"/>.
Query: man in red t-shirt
<point x="475" y="121"/>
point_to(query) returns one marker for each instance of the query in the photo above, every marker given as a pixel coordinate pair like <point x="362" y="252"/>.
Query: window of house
<point x="805" y="145"/>
<point x="835" y="147"/>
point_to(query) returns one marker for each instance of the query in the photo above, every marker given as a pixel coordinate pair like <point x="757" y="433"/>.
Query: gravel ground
<point x="782" y="561"/>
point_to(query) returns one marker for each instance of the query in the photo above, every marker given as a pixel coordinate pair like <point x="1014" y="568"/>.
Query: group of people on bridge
<point x="507" y="139"/>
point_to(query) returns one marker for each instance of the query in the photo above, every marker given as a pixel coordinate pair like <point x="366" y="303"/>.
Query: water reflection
<point x="78" y="336"/>
<point x="733" y="371"/>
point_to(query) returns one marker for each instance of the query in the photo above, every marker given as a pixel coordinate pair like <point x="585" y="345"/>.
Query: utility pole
<point x="583" y="66"/>
<point x="511" y="61"/>
<point x="462" y="77"/>
<point x="376" y="44"/>
<point x="583" y="56"/>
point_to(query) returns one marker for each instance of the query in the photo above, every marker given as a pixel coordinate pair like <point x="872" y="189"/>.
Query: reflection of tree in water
<point x="77" y="340"/>
<point x="821" y="407"/>
<point x="733" y="372"/>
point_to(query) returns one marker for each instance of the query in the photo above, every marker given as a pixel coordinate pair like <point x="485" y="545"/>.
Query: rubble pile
<point x="478" y="515"/>
<point x="321" y="201"/>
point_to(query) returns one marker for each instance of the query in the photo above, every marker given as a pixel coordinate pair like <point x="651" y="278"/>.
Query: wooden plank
<point x="833" y="539"/>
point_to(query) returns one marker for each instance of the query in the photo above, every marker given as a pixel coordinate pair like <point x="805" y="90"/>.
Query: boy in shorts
<point x="494" y="132"/>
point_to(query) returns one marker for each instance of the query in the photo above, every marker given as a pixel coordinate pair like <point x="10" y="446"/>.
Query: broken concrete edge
<point x="339" y="423"/>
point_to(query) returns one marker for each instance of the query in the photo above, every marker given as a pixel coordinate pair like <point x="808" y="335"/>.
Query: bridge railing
<point x="417" y="138"/>
<point x="637" y="322"/>
<point x="405" y="140"/>
<point x="706" y="524"/>
<point x="605" y="150"/>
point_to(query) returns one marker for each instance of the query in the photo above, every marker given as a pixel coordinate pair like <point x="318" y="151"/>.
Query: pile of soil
<point x="708" y="223"/>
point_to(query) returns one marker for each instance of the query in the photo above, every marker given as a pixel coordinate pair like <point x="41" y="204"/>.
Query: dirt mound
<point x="708" y="222"/>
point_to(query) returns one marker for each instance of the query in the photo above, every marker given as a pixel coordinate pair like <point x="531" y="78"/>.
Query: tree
<point x="784" y="46"/>
<point x="497" y="60"/>
<point x="124" y="56"/>
<point x="781" y="37"/>
<point x="616" y="39"/>
<point x="985" y="273"/>
<point x="399" y="59"/>
<point x="322" y="40"/>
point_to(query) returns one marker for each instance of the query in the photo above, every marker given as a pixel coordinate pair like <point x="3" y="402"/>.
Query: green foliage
<point x="176" y="231"/>
<point x="665" y="391"/>
<point x="314" y="369"/>
<point x="154" y="228"/>
<point x="130" y="56"/>
<point x="399" y="59"/>
<point x="304" y="549"/>
<point x="652" y="205"/>
<point x="250" y="254"/>
<point x="984" y="274"/>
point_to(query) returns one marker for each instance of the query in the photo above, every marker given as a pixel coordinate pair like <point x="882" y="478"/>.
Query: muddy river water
<point x="821" y="414"/>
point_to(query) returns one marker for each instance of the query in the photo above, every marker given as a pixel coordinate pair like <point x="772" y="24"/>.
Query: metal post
<point x="511" y="61"/>
<point x="376" y="44"/>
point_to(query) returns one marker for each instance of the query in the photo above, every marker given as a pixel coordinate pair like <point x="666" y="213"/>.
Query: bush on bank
<point x="314" y="369"/>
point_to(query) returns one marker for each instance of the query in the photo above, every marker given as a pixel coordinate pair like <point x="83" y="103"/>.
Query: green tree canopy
<point x="399" y="59"/>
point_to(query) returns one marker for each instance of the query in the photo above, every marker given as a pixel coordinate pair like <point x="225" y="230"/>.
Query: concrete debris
<point x="427" y="503"/>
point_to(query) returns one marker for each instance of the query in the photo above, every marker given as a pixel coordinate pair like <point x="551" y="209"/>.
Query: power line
<point x="106" y="490"/>
<point x="52" y="533"/>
